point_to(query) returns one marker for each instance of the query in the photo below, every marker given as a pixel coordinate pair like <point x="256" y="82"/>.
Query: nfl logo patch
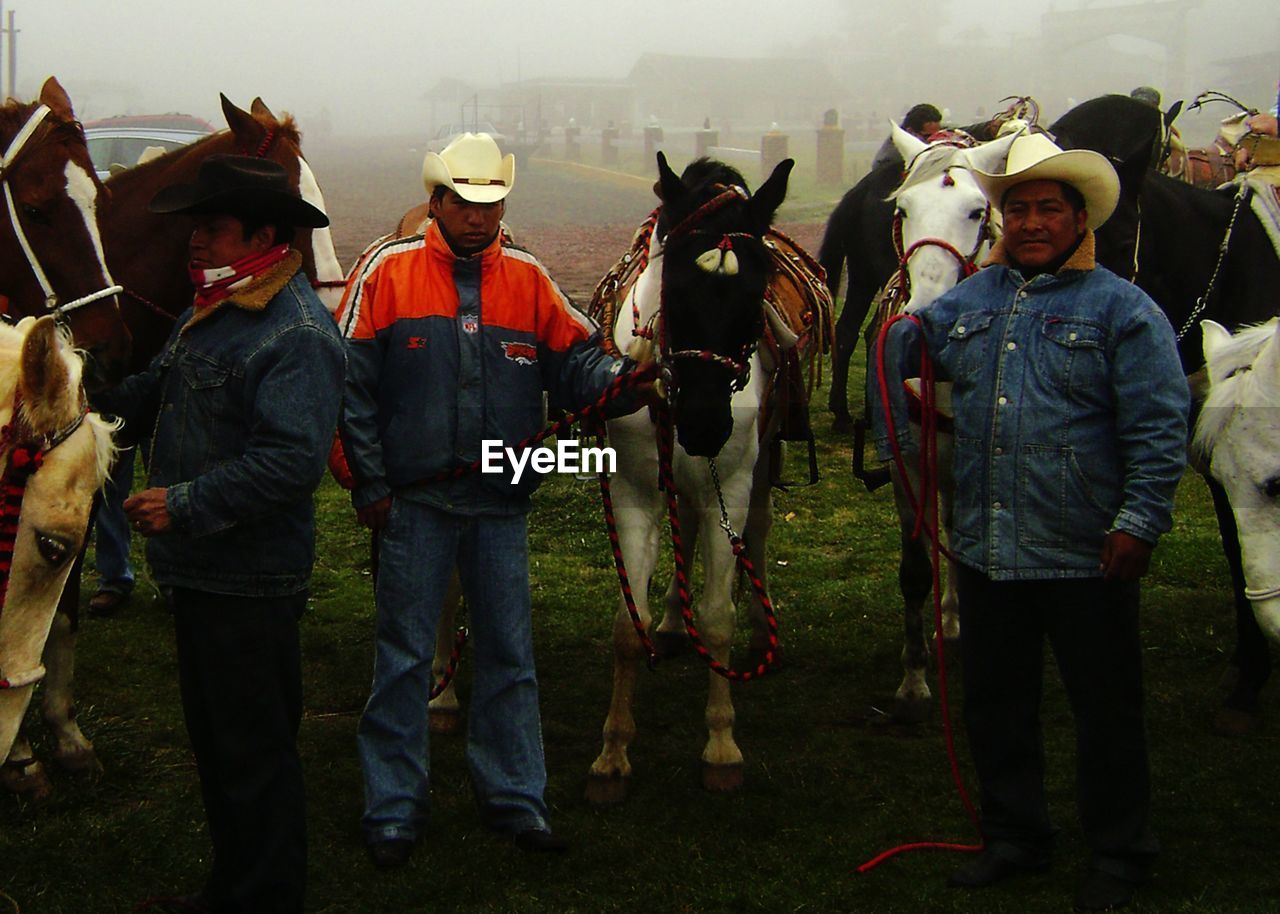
<point x="470" y="325"/>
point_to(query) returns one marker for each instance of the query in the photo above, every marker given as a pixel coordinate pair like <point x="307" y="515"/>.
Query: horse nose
<point x="105" y="364"/>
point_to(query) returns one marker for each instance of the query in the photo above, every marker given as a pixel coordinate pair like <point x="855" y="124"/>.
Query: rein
<point x="968" y="263"/>
<point x="26" y="456"/>
<point x="1203" y="301"/>
<point x="11" y="155"/>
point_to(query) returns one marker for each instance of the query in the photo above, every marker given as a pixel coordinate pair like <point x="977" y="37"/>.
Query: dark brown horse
<point x="148" y="256"/>
<point x="51" y="249"/>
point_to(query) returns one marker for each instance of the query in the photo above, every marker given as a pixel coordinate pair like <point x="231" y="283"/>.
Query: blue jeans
<point x="417" y="552"/>
<point x="111" y="528"/>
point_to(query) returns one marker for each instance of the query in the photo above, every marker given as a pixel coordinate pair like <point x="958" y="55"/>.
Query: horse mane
<point x="931" y="163"/>
<point x="285" y="128"/>
<point x="1229" y="362"/>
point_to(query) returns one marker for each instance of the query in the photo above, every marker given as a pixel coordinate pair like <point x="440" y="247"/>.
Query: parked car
<point x="116" y="143"/>
<point x="448" y="132"/>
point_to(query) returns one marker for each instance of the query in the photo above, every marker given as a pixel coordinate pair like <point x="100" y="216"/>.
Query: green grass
<point x="823" y="793"/>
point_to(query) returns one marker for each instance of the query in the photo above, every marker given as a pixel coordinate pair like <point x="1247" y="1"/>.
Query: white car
<point x="117" y="143"/>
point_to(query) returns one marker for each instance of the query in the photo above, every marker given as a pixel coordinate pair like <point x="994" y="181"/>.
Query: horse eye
<point x="976" y="215"/>
<point x="55" y="551"/>
<point x="902" y="214"/>
<point x="1272" y="487"/>
<point x="35" y="214"/>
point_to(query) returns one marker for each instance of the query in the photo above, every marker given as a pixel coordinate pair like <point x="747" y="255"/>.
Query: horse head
<point x="56" y="457"/>
<point x="1238" y="433"/>
<point x="51" y="252"/>
<point x="715" y="268"/>
<point x="942" y="221"/>
<point x="1130" y="134"/>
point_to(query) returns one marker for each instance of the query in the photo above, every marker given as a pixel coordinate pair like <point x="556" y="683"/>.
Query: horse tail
<point x="831" y="253"/>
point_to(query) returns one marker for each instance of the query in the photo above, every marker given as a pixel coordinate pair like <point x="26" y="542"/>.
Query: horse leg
<point x="946" y="498"/>
<point x="756" y="539"/>
<point x="73" y="752"/>
<point x="22" y="772"/>
<point x="721" y="758"/>
<point x="1251" y="660"/>
<point x="444" y="713"/>
<point x="671" y="637"/>
<point x="912" y="700"/>
<point x="609" y="778"/>
<point x="847" y="326"/>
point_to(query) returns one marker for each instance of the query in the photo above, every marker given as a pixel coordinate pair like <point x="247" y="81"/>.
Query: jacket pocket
<point x="1072" y="354"/>
<point x="1056" y="505"/>
<point x="969" y="341"/>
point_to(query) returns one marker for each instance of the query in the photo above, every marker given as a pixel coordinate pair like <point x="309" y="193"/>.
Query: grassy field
<point x="823" y="791"/>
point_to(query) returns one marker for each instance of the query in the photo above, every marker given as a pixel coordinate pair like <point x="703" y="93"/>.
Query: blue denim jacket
<point x="1070" y="414"/>
<point x="241" y="407"/>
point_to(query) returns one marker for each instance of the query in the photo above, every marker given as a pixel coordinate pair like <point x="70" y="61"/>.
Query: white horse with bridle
<point x="942" y="229"/>
<point x="55" y="456"/>
<point x="700" y="305"/>
<point x="1238" y="435"/>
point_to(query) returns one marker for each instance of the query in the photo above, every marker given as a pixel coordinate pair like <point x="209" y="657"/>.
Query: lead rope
<point x="929" y="495"/>
<point x="1203" y="301"/>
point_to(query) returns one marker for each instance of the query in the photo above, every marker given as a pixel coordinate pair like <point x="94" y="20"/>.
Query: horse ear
<point x="769" y="196"/>
<point x="44" y="374"/>
<point x="1213" y="337"/>
<point x="669" y="189"/>
<point x="247" y="131"/>
<point x="259" y="109"/>
<point x="56" y="99"/>
<point x="990" y="157"/>
<point x="1172" y="114"/>
<point x="907" y="144"/>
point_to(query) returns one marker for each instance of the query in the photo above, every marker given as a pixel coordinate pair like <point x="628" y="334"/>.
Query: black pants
<point x="240" y="674"/>
<point x="1092" y="627"/>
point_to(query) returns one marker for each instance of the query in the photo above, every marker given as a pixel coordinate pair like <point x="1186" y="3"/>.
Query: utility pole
<point x="13" y="56"/>
<point x="1" y="30"/>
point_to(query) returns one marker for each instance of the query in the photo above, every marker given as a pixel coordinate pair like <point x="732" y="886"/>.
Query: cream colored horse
<point x="42" y="407"/>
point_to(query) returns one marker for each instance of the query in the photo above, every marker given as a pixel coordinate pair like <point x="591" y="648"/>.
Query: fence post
<point x="704" y="139"/>
<point x="830" y="164"/>
<point x="608" y="146"/>
<point x="652" y="137"/>
<point x="773" y="149"/>
<point x="572" y="149"/>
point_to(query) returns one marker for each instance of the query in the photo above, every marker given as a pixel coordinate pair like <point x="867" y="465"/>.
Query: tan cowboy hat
<point x="473" y="167"/>
<point x="1035" y="157"/>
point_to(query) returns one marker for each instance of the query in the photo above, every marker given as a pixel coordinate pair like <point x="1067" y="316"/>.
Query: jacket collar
<point x="438" y="247"/>
<point x="1082" y="261"/>
<point x="257" y="294"/>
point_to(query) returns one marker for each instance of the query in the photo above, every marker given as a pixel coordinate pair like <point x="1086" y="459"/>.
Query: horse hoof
<point x="607" y="789"/>
<point x="444" y="721"/>
<point x="83" y="761"/>
<point x="1235" y="722"/>
<point x="27" y="779"/>
<point x="911" y="711"/>
<point x="671" y="644"/>
<point x="722" y="778"/>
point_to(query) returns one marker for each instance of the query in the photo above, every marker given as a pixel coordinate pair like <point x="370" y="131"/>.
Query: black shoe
<point x="993" y="865"/>
<point x="391" y="853"/>
<point x="106" y="603"/>
<point x="540" y="840"/>
<point x="1102" y="891"/>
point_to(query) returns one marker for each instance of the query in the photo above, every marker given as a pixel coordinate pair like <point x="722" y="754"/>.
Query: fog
<point x="371" y="67"/>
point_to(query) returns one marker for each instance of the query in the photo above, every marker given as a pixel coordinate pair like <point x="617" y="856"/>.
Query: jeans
<point x="417" y="552"/>
<point x="111" y="528"/>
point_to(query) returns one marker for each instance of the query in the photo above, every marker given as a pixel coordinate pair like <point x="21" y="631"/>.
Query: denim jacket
<point x="241" y="406"/>
<point x="1070" y="413"/>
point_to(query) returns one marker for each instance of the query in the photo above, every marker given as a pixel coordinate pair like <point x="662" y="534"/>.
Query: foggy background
<point x="405" y="67"/>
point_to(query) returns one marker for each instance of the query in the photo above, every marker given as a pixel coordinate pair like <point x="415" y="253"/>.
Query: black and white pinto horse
<point x="698" y="305"/>
<point x="1169" y="237"/>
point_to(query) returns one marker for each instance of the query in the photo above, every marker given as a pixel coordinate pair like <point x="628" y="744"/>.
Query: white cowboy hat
<point x="473" y="167"/>
<point x="1035" y="157"/>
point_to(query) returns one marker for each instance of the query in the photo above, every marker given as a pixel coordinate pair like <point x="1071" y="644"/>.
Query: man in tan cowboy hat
<point x="238" y="411"/>
<point x="1070" y="437"/>
<point x="453" y="335"/>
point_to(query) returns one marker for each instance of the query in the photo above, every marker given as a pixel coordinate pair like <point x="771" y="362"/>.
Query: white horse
<point x="699" y="303"/>
<point x="1238" y="435"/>
<point x="942" y="230"/>
<point x="42" y="411"/>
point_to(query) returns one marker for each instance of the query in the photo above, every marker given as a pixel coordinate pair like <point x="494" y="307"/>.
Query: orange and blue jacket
<point x="446" y="352"/>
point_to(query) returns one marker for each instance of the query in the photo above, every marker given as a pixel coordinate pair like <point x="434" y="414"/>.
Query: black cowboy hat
<point x="240" y="185"/>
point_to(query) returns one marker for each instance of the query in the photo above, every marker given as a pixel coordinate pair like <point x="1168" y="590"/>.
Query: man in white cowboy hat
<point x="453" y="335"/>
<point x="1070" y="436"/>
<point x="237" y="413"/>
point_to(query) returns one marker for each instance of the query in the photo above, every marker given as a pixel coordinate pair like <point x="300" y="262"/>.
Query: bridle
<point x="11" y="155"/>
<point x="27" y="451"/>
<point x="968" y="263"/>
<point x="739" y="368"/>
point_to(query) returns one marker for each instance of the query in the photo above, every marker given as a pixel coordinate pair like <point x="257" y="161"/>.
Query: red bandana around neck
<point x="217" y="283"/>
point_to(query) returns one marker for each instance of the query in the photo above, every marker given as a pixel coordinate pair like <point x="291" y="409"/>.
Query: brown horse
<point x="51" y="249"/>
<point x="148" y="254"/>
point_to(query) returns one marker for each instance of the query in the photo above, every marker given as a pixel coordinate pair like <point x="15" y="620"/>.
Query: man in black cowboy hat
<point x="240" y="407"/>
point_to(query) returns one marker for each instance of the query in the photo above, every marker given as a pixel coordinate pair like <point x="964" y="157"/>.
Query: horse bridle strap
<point x="20" y="140"/>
